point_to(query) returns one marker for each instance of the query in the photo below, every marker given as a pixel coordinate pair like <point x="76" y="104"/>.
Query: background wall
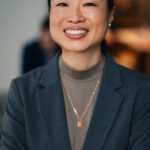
<point x="19" y="22"/>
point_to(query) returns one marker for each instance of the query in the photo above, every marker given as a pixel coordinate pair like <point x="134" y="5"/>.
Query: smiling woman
<point x="81" y="100"/>
<point x="79" y="26"/>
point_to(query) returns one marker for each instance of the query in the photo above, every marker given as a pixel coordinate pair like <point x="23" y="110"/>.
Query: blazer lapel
<point x="51" y="107"/>
<point x="106" y="107"/>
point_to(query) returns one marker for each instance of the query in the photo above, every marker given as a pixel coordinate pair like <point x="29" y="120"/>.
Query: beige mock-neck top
<point x="80" y="85"/>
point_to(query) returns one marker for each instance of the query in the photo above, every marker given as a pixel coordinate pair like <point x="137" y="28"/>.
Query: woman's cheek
<point x="58" y="15"/>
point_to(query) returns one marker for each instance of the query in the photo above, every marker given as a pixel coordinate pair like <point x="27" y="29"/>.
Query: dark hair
<point x="110" y="4"/>
<point x="45" y="23"/>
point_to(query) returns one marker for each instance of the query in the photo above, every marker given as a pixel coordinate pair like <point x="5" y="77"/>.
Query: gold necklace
<point x="80" y="122"/>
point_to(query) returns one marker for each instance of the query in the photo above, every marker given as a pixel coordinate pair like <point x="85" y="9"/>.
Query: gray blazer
<point x="35" y="115"/>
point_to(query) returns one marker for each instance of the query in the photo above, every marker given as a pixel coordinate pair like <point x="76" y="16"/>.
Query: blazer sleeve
<point x="140" y="130"/>
<point x="13" y="132"/>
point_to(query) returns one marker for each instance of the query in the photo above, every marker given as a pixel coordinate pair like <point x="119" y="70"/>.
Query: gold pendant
<point x="80" y="124"/>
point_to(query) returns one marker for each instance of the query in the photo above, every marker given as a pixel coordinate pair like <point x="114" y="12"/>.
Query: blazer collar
<point x="106" y="107"/>
<point x="51" y="106"/>
<point x="111" y="74"/>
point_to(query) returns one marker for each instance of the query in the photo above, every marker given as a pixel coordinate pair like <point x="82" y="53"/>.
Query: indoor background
<point x="128" y="37"/>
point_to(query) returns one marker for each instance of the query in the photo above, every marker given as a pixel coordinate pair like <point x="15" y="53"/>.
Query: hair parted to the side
<point x="109" y="2"/>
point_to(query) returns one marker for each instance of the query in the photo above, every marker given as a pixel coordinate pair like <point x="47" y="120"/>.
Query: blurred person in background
<point x="81" y="100"/>
<point x="39" y="52"/>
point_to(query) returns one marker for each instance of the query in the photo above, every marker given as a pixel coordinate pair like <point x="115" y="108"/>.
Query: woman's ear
<point x="111" y="15"/>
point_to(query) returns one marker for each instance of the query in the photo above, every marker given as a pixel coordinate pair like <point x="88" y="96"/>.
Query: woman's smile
<point x="75" y="33"/>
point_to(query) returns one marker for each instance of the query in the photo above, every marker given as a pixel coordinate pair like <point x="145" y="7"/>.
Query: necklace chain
<point x="80" y="122"/>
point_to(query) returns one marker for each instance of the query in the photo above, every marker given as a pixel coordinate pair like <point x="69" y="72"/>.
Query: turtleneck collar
<point x="89" y="74"/>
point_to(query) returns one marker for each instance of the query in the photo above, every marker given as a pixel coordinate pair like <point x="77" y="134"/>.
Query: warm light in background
<point x="129" y="37"/>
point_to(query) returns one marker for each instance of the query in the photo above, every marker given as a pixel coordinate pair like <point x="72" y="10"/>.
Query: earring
<point x="109" y="25"/>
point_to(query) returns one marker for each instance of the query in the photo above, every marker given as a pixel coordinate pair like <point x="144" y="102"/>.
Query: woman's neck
<point x="81" y="60"/>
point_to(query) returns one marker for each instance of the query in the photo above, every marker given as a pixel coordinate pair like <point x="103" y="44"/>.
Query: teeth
<point x="75" y="31"/>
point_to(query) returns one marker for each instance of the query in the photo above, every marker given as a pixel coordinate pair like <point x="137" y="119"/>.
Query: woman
<point x="82" y="100"/>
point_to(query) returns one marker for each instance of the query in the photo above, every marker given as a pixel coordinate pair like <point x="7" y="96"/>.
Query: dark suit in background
<point x="35" y="116"/>
<point x="37" y="53"/>
<point x="34" y="56"/>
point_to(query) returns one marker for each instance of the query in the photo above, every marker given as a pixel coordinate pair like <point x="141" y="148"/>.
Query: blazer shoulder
<point x="30" y="79"/>
<point x="132" y="77"/>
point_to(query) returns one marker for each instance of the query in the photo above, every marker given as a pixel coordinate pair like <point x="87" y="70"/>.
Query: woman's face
<point x="79" y="25"/>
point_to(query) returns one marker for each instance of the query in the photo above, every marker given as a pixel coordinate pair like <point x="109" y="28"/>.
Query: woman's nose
<point x="75" y="16"/>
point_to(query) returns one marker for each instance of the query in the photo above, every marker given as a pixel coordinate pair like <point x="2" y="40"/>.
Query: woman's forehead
<point x="78" y="0"/>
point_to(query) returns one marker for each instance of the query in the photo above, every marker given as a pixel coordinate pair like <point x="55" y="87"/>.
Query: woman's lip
<point x="76" y="28"/>
<point x="76" y="36"/>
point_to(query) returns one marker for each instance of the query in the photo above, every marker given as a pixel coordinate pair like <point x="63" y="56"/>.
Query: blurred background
<point x="19" y="23"/>
<point x="128" y="37"/>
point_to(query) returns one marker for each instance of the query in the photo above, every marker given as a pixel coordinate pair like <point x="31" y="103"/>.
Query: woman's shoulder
<point x="132" y="78"/>
<point x="31" y="76"/>
<point x="35" y="75"/>
<point x="26" y="83"/>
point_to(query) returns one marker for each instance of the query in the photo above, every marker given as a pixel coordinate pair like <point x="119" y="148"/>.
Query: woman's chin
<point x="75" y="49"/>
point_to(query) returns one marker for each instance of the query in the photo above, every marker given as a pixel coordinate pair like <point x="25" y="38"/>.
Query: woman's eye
<point x="89" y="4"/>
<point x="62" y="4"/>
